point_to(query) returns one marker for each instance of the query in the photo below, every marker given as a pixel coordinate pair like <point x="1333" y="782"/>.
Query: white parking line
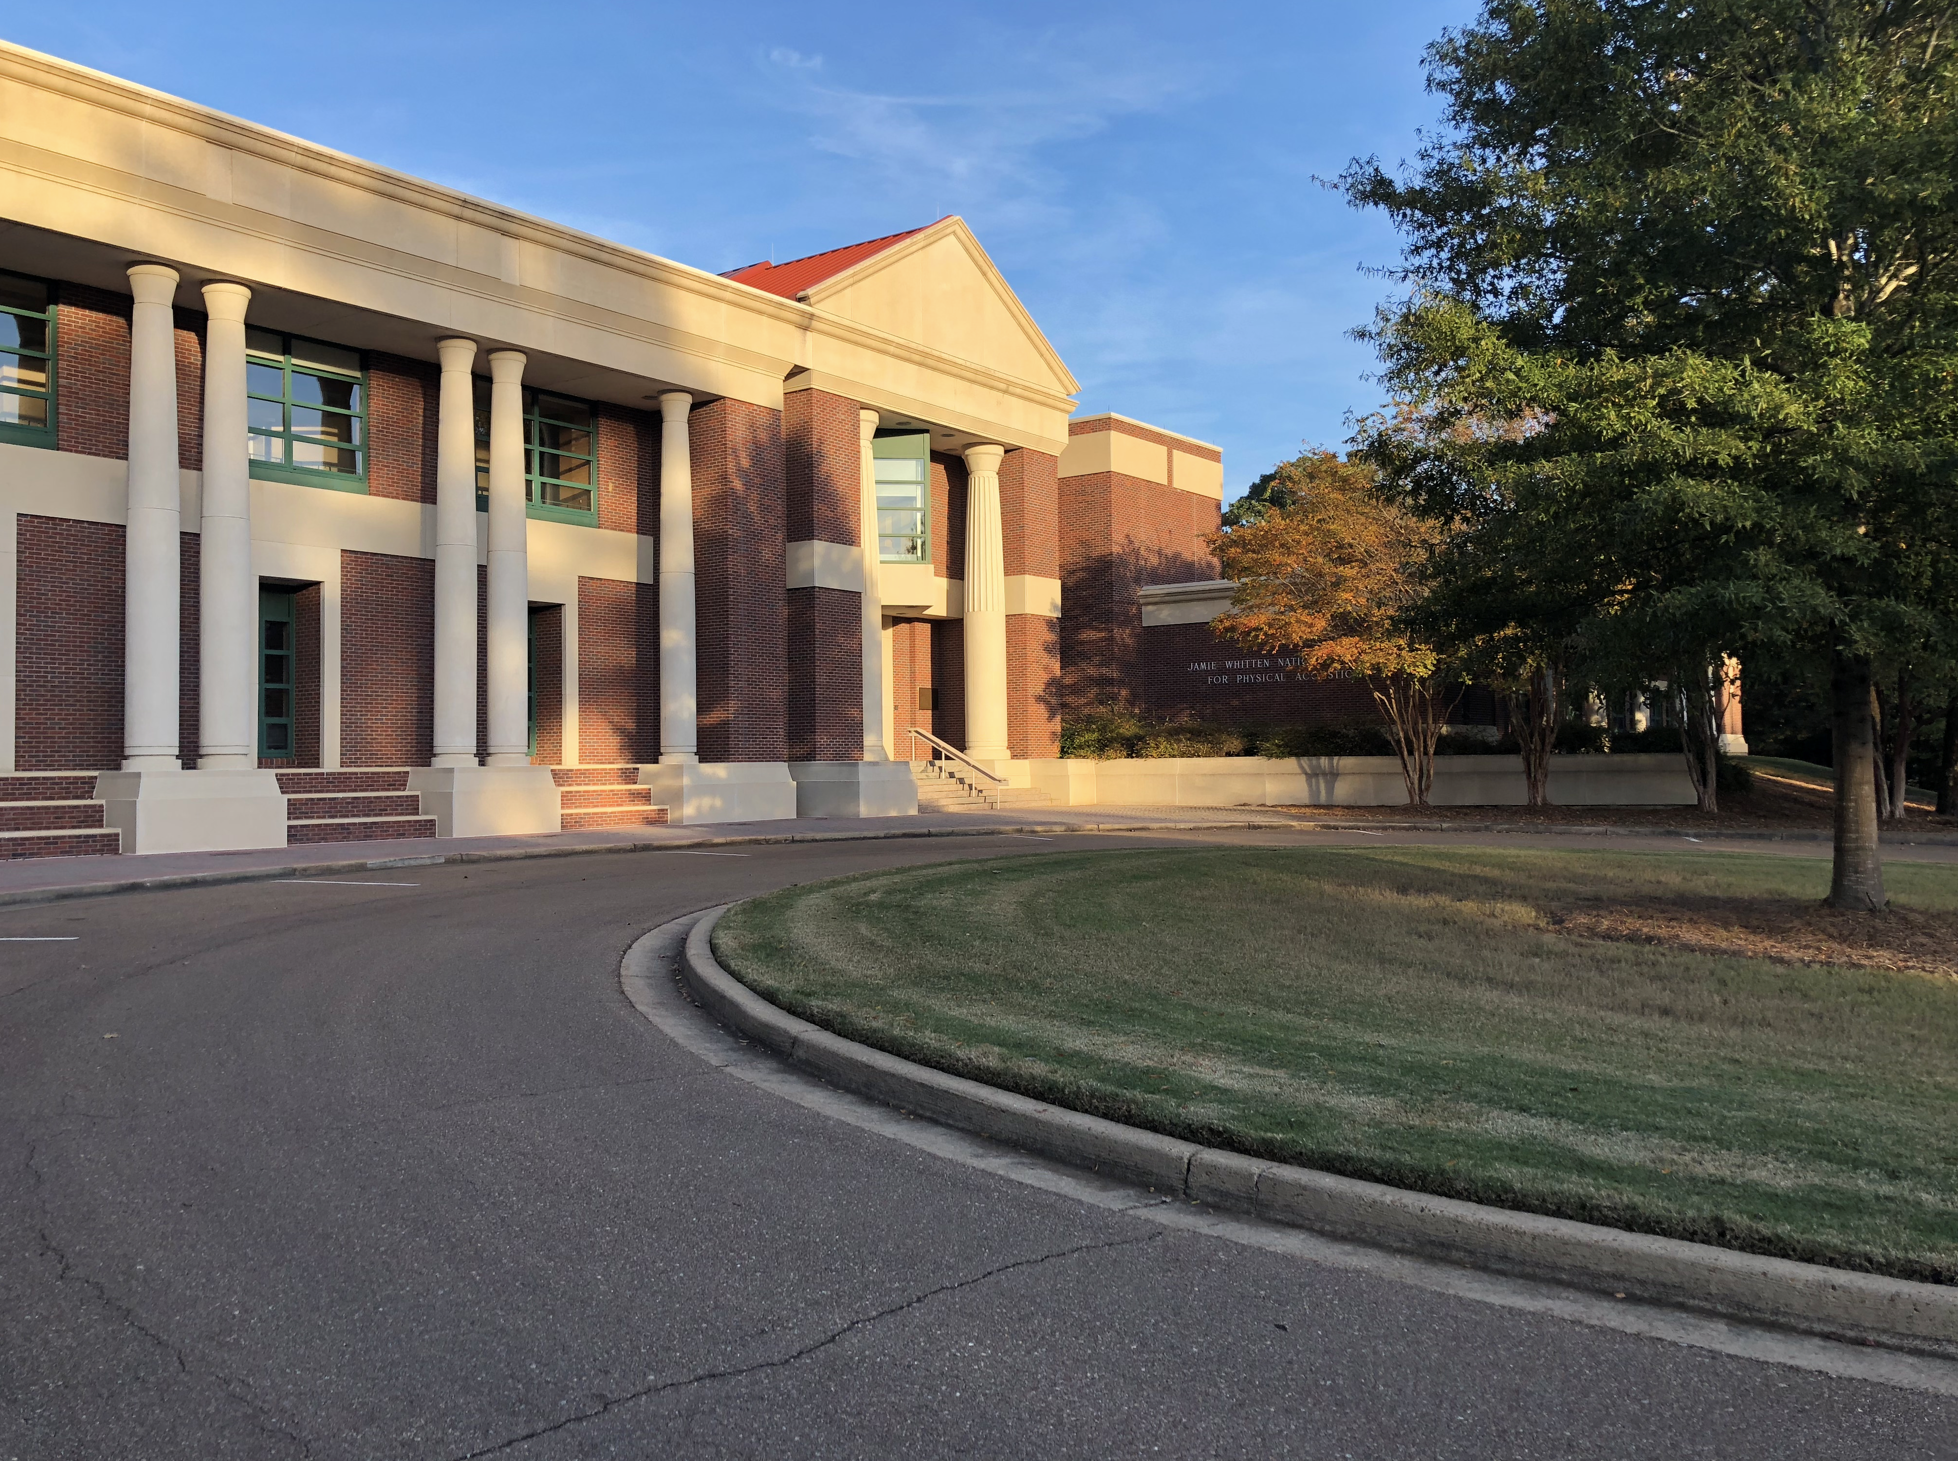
<point x="348" y="882"/>
<point x="54" y="939"/>
<point x="691" y="852"/>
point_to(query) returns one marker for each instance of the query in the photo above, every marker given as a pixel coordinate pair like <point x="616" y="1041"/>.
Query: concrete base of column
<point x="455" y="758"/>
<point x="194" y="811"/>
<point x="488" y="801"/>
<point x="854" y="788"/>
<point x="1733" y="745"/>
<point x="721" y="791"/>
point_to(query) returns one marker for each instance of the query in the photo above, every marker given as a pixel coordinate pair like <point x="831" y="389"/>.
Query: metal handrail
<point x="952" y="751"/>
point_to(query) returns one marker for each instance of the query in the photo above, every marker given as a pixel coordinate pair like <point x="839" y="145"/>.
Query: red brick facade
<point x="387" y="660"/>
<point x="628" y="471"/>
<point x="189" y="647"/>
<point x="403" y="414"/>
<point x="740" y="562"/>
<point x="618" y="672"/>
<point x="824" y="703"/>
<point x="1033" y="686"/>
<point x="68" y="645"/>
<point x="547" y="682"/>
<point x="822" y="466"/>
<point x="306" y="684"/>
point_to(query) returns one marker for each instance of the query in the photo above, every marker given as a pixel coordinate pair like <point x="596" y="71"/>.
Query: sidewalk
<point x="34" y="880"/>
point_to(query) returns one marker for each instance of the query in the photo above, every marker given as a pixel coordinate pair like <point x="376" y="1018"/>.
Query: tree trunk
<point x="1533" y="721"/>
<point x="1415" y="711"/>
<point x="1857" y="882"/>
<point x="1948" y="761"/>
<point x="1879" y="776"/>
<point x="1698" y="698"/>
<point x="1900" y="751"/>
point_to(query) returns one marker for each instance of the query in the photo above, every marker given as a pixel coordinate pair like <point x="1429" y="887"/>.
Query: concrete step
<point x="633" y="816"/>
<point x="76" y="843"/>
<point x="358" y="829"/>
<point x="49" y="816"/>
<point x="577" y="798"/>
<point x="323" y="783"/>
<point x="364" y="804"/>
<point x="47" y="786"/>
<point x="595" y="775"/>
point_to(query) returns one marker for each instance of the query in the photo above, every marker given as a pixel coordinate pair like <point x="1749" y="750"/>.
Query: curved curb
<point x="1835" y="1303"/>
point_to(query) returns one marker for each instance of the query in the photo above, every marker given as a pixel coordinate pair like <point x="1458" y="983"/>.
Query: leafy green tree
<point x="1696" y="263"/>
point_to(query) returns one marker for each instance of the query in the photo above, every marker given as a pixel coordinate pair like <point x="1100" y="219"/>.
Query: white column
<point x="455" y="556"/>
<point x="679" y="716"/>
<point x="985" y="609"/>
<point x="227" y="589"/>
<point x="875" y="692"/>
<point x="153" y="567"/>
<point x="509" y="566"/>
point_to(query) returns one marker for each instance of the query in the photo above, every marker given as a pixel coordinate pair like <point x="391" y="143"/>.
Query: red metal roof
<point x="792" y="278"/>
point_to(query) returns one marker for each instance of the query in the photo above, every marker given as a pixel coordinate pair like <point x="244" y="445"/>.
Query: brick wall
<point x="948" y="675"/>
<point x="618" y="672"/>
<point x="948" y="515"/>
<point x="1033" y="685"/>
<point x="1189" y="672"/>
<point x="189" y="649"/>
<point x="92" y="376"/>
<point x="1030" y="513"/>
<point x="68" y="644"/>
<point x="306" y="604"/>
<point x="824" y="702"/>
<point x="628" y="470"/>
<point x="547" y="669"/>
<point x="910" y="672"/>
<point x="387" y="660"/>
<point x="482" y="664"/>
<point x="1118" y="533"/>
<point x="404" y="399"/>
<point x="740" y="560"/>
<point x="822" y="468"/>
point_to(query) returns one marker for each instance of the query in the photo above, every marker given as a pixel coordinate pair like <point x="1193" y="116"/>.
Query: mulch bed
<point x="1785" y="930"/>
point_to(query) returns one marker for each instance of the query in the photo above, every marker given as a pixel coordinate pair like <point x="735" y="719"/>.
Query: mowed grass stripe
<point x="1412" y="1015"/>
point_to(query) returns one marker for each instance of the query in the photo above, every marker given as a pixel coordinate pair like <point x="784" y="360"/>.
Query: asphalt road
<point x="360" y="1170"/>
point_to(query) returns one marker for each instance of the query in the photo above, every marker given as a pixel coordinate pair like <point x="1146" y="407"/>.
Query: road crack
<point x="607" y="1404"/>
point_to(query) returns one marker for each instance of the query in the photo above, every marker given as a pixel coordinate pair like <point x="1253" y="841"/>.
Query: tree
<point x="1707" y="250"/>
<point x="1331" y="577"/>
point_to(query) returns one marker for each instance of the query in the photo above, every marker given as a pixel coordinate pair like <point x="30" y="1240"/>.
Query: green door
<point x="277" y="674"/>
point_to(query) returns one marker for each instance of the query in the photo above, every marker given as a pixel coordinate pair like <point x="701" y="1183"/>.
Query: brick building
<point x="341" y="505"/>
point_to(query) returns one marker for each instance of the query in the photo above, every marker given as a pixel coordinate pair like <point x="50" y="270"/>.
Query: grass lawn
<point x="1560" y="1032"/>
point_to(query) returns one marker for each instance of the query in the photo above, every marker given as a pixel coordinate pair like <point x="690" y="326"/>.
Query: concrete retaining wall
<point x="1655" y="780"/>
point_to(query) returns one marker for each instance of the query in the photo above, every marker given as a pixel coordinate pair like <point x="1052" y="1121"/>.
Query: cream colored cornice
<point x="141" y="103"/>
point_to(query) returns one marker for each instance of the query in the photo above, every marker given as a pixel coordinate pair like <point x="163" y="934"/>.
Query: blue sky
<point x="1144" y="174"/>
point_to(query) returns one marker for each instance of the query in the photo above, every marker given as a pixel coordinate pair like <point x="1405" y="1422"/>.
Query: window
<point x="26" y="362"/>
<point x="307" y="412"/>
<point x="560" y="455"/>
<point x="275" y="675"/>
<point x="903" y="467"/>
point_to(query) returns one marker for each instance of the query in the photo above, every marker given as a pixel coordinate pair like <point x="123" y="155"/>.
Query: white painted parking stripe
<point x="691" y="852"/>
<point x="52" y="939"/>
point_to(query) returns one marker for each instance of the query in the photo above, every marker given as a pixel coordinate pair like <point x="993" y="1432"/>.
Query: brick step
<point x="354" y="804"/>
<point x="358" y="829"/>
<point x="17" y="845"/>
<point x="585" y="821"/>
<point x="595" y="775"/>
<point x="322" y="783"/>
<point x="49" y="816"/>
<point x="47" y="786"/>
<point x="577" y="798"/>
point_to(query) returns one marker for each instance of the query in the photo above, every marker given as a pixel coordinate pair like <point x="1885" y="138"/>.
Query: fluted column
<point x="509" y="566"/>
<point x="455" y="557"/>
<point x="227" y="589"/>
<point x="153" y="566"/>
<point x="874" y="689"/>
<point x="679" y="713"/>
<point x="985" y="609"/>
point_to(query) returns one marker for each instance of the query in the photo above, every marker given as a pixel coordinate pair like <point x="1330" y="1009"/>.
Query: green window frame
<point x="306" y="411"/>
<point x="560" y="449"/>
<point x="27" y="361"/>
<point x="901" y="461"/>
<point x="278" y="679"/>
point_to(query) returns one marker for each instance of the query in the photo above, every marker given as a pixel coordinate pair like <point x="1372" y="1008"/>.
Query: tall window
<point x="26" y="362"/>
<point x="276" y="682"/>
<point x="560" y="455"/>
<point x="903" y="466"/>
<point x="307" y="412"/>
